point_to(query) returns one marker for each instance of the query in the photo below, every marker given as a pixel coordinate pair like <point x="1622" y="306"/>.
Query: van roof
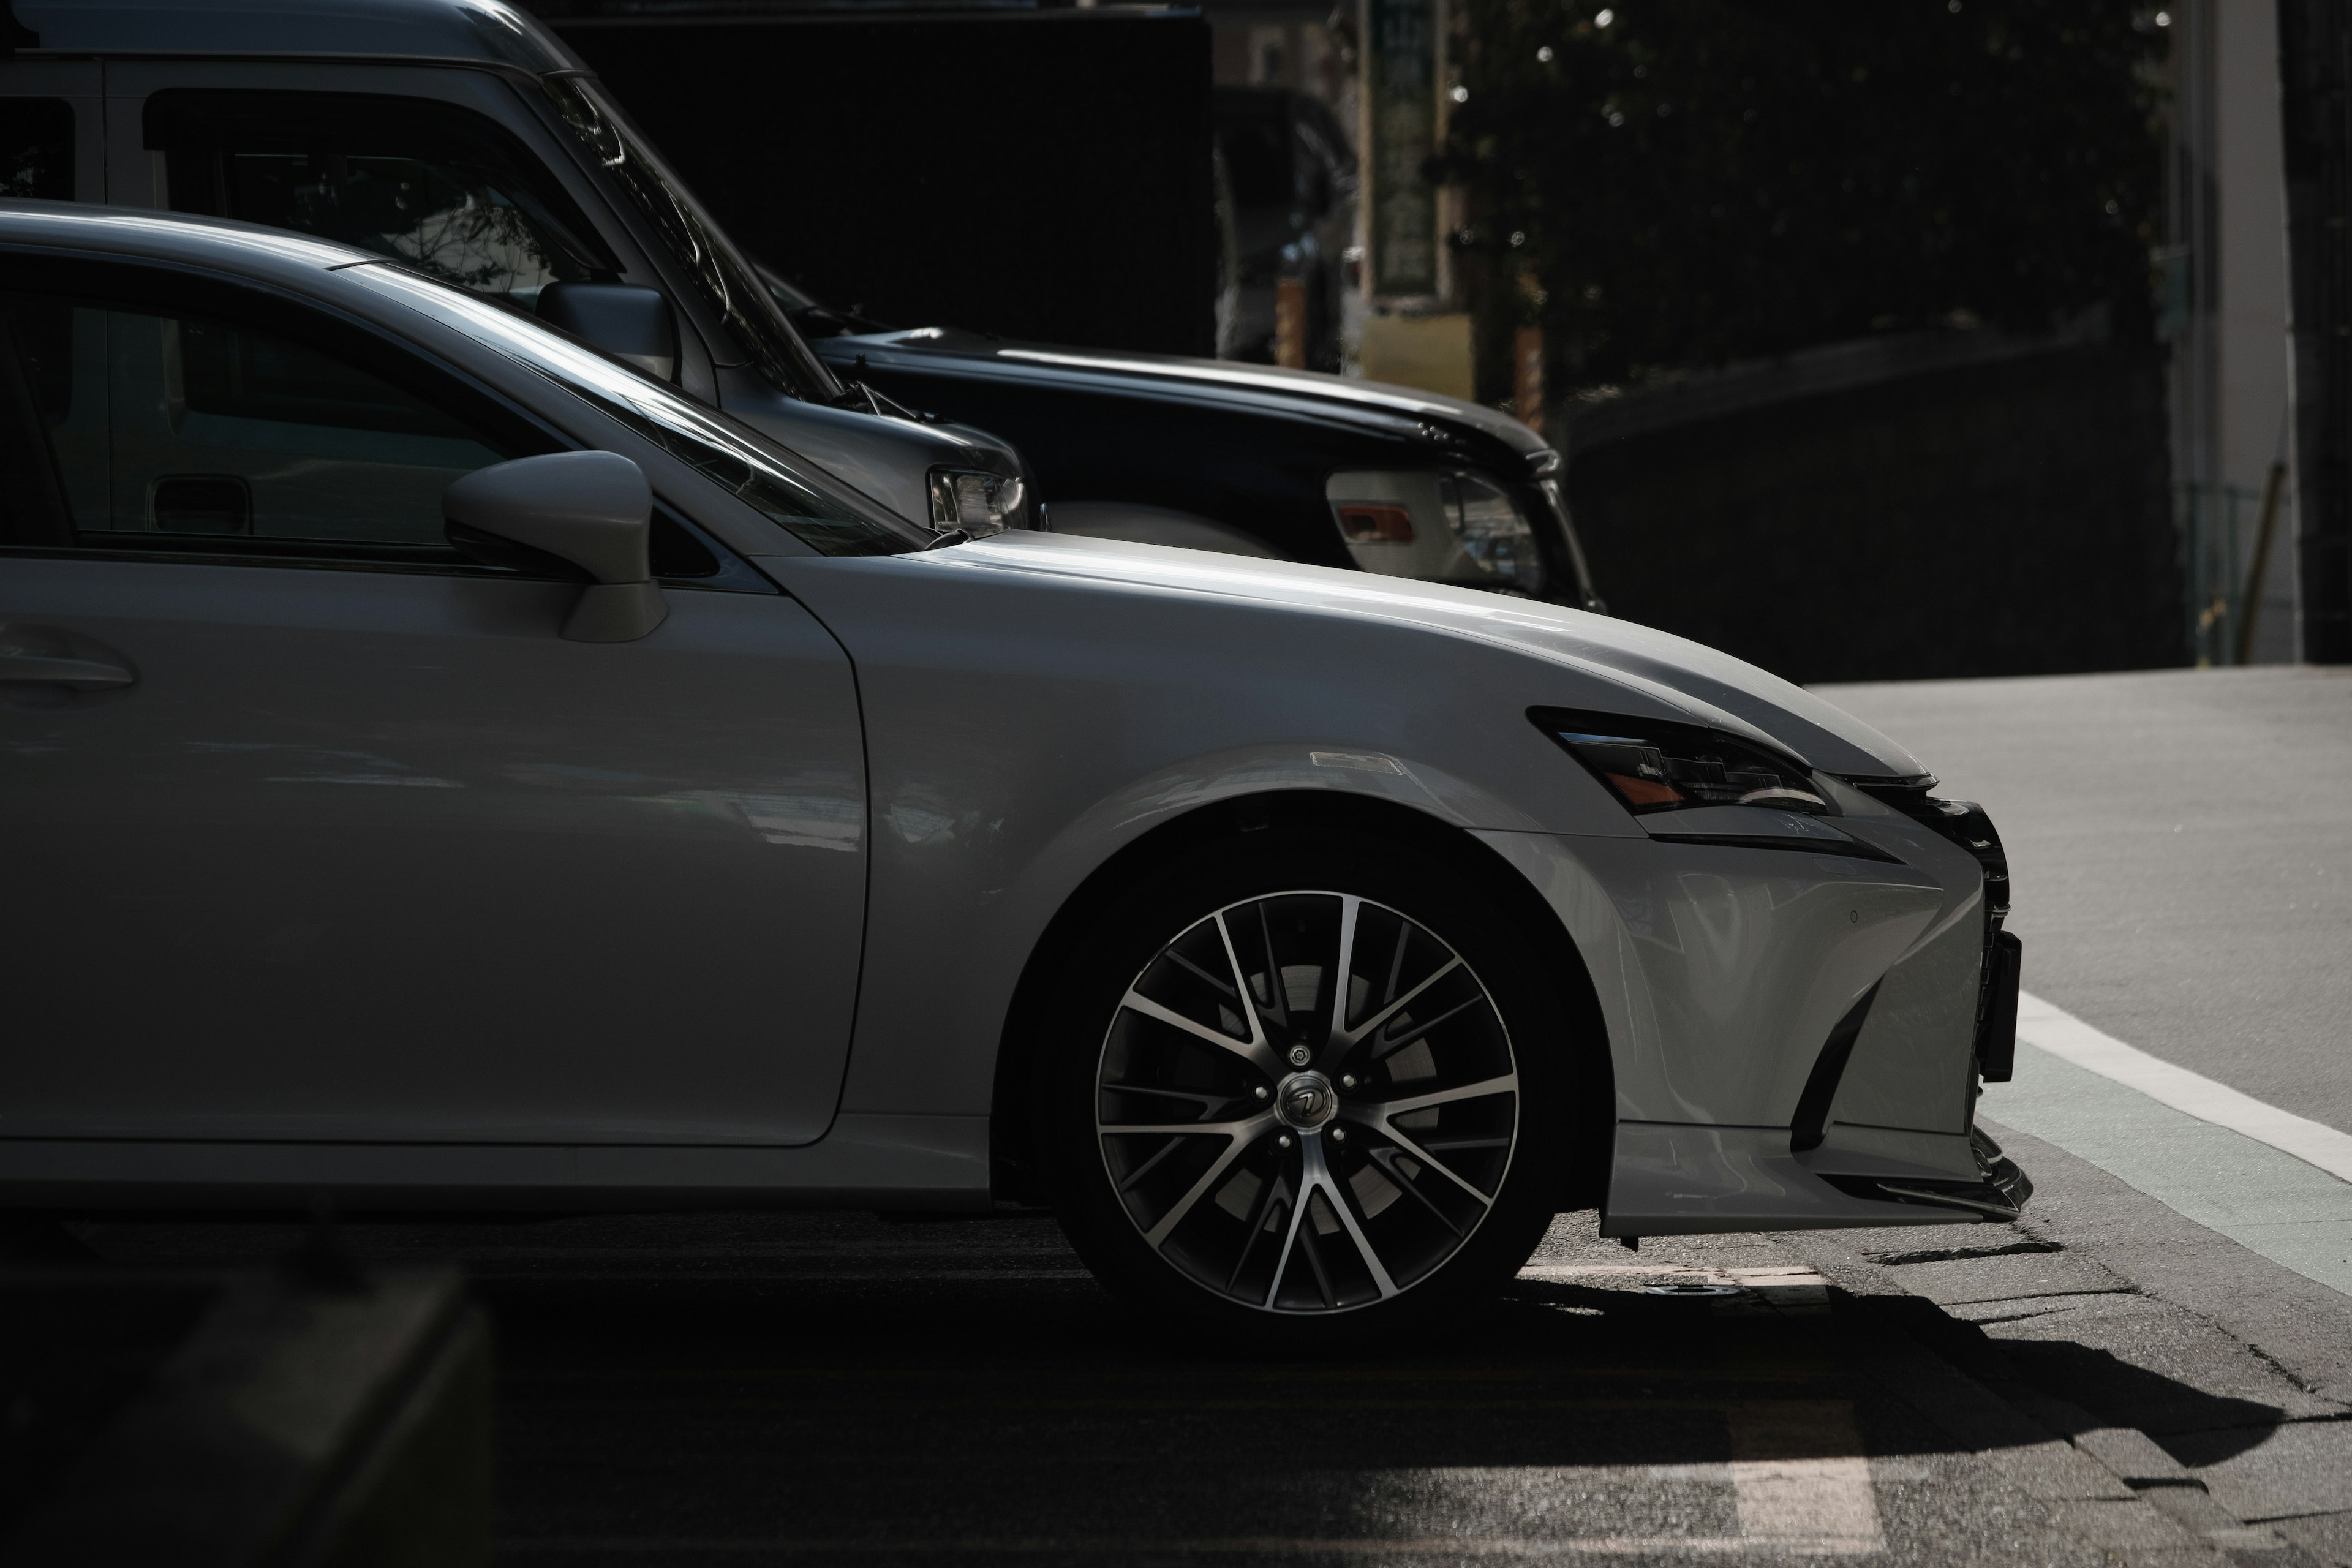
<point x="485" y="32"/>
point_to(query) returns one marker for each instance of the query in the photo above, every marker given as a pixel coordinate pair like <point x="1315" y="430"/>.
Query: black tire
<point x="1381" y="1210"/>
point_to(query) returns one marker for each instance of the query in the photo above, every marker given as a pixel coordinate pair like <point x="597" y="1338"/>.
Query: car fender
<point x="1022" y="728"/>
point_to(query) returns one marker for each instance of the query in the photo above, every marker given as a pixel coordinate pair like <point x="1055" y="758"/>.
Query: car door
<point x="315" y="831"/>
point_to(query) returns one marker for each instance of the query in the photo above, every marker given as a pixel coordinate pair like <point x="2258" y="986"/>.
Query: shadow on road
<point x="816" y="1387"/>
<point x="2105" y="1389"/>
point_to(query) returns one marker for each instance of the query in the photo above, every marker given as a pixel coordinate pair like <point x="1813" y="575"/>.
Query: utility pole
<point x="2316" y="76"/>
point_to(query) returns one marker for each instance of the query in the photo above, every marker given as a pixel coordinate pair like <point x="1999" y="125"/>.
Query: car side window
<point x="201" y="429"/>
<point x="36" y="148"/>
<point x="442" y="188"/>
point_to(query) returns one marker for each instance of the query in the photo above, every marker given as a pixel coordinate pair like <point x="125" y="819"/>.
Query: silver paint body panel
<point x="373" y="856"/>
<point x="834" y="823"/>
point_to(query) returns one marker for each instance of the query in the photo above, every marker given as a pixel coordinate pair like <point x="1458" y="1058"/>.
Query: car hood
<point x="1327" y="394"/>
<point x="1662" y="675"/>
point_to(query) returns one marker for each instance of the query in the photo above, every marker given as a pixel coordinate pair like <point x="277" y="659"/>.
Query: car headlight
<point x="1437" y="527"/>
<point x="975" y="500"/>
<point x="1654" y="766"/>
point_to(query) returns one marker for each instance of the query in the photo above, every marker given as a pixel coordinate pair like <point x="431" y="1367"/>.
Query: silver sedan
<point x="445" y="767"/>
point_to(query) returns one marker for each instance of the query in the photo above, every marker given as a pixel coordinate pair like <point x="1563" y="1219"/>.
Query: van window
<point x="443" y="189"/>
<point x="37" y="147"/>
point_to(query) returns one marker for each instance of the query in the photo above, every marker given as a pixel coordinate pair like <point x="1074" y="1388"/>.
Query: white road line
<point x="2063" y="1035"/>
<point x="1787" y="1273"/>
<point x="1787" y="1289"/>
<point x="1801" y="1481"/>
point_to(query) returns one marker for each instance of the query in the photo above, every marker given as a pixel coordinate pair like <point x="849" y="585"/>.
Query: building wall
<point x="2228" y="382"/>
<point x="2252" y="307"/>
<point x="1932" y="510"/>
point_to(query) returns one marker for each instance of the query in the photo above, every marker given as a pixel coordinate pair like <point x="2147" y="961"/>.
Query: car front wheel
<point x="1320" y="1080"/>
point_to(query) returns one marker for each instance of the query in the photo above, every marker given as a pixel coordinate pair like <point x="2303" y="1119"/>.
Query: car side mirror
<point x="593" y="512"/>
<point x="631" y="323"/>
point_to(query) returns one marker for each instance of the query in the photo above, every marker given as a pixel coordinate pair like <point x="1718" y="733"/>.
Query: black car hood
<point x="1258" y="385"/>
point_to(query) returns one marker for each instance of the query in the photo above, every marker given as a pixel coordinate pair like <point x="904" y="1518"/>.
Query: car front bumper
<point x="1795" y="1039"/>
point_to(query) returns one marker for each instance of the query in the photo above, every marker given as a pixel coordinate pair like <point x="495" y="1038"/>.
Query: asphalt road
<point x="780" y="1388"/>
<point x="2180" y="850"/>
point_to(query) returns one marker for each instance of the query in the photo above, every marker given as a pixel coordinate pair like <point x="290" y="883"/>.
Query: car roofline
<point x="168" y="235"/>
<point x="481" y="33"/>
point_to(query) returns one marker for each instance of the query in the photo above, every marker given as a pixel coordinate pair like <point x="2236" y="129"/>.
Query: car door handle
<point x="50" y="656"/>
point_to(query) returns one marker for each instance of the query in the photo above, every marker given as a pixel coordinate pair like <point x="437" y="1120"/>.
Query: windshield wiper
<point x="860" y="398"/>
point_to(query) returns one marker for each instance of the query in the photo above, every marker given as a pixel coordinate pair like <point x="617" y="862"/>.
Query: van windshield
<point x="725" y="280"/>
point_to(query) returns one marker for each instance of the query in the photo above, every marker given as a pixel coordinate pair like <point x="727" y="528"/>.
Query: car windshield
<point x="826" y="518"/>
<point x="725" y="281"/>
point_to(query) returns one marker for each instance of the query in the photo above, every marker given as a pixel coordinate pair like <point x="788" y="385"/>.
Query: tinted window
<point x="764" y="476"/>
<point x="36" y="144"/>
<point x="442" y="188"/>
<point x="185" y="425"/>
<point x="721" y="275"/>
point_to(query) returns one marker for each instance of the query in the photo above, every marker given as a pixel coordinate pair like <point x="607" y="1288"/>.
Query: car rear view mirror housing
<point x="625" y="320"/>
<point x="592" y="511"/>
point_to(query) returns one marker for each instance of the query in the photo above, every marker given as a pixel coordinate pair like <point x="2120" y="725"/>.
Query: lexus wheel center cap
<point x="1306" y="1100"/>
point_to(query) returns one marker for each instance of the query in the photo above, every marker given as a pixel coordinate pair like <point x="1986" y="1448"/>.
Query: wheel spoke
<point x="1289" y="1240"/>
<point x="1386" y="1048"/>
<point x="1205" y="1101"/>
<point x="1249" y="1004"/>
<point x="1273" y="986"/>
<point x="1209" y="1178"/>
<point x="1432" y="1163"/>
<point x="1319" y="1173"/>
<point x="1267" y="1196"/>
<point x="1136" y="1175"/>
<point x="1386" y="1160"/>
<point x="1255" y="1051"/>
<point x="1382" y="1110"/>
<point x="1396" y="962"/>
<point x="1153" y="1129"/>
<point x="1314" y="1251"/>
<point x="1352" y="1036"/>
<point x="1349" y="907"/>
<point x="1197" y="971"/>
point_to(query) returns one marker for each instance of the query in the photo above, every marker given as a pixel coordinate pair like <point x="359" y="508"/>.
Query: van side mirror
<point x="593" y="512"/>
<point x="621" y="319"/>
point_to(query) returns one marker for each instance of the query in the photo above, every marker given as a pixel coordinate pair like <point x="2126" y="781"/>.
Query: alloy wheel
<point x="1306" y="1102"/>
